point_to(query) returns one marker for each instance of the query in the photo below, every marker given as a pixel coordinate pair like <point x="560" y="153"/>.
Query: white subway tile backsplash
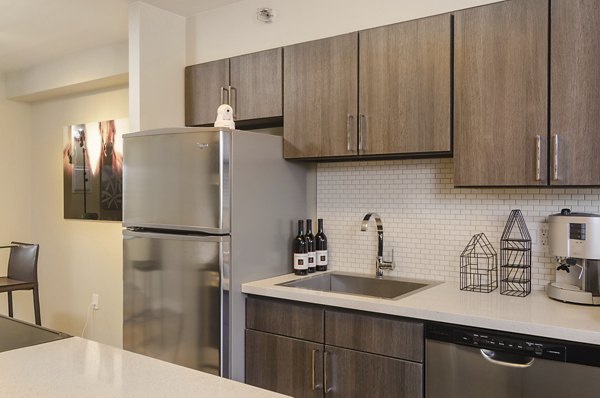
<point x="426" y="220"/>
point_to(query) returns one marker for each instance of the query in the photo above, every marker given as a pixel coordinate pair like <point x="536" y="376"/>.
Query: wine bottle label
<point x="312" y="256"/>
<point x="301" y="261"/>
<point x="321" y="257"/>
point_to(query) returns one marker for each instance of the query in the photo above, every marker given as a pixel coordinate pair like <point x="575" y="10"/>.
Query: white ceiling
<point x="36" y="31"/>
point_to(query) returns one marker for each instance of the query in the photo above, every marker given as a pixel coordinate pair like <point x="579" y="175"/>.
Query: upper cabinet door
<point x="320" y="98"/>
<point x="575" y="93"/>
<point x="205" y="84"/>
<point x="257" y="85"/>
<point x="501" y="94"/>
<point x="405" y="87"/>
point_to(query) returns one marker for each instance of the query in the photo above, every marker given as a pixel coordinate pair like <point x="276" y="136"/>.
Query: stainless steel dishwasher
<point x="465" y="362"/>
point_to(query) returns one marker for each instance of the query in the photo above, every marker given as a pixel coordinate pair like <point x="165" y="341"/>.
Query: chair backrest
<point x="22" y="262"/>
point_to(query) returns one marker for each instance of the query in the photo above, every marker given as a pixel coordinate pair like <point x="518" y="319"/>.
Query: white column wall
<point x="156" y="67"/>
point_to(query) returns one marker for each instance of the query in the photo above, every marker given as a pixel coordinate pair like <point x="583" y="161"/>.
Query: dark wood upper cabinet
<point x="575" y="93"/>
<point x="501" y="94"/>
<point x="405" y="87"/>
<point x="252" y="84"/>
<point x="204" y="84"/>
<point x="320" y="98"/>
<point x="257" y="85"/>
<point x="391" y="97"/>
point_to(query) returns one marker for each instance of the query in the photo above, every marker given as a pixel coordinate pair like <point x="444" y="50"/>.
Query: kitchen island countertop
<point x="535" y="314"/>
<point x="76" y="367"/>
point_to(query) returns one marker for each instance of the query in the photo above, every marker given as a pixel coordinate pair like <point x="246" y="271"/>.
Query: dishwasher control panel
<point x="518" y="344"/>
<point x="532" y="348"/>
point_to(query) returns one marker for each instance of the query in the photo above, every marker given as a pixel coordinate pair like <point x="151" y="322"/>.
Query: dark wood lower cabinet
<point x="353" y="354"/>
<point x="284" y="364"/>
<point x="357" y="374"/>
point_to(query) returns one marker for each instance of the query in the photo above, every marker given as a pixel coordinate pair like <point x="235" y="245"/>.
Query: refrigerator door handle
<point x="224" y="265"/>
<point x="224" y="276"/>
<point x="127" y="233"/>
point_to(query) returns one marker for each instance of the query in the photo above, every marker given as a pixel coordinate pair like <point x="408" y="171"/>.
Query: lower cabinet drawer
<point x="377" y="334"/>
<point x="286" y="318"/>
<point x="349" y="374"/>
<point x="284" y="365"/>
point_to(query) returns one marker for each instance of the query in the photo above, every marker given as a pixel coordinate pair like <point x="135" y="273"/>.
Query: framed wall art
<point x="93" y="170"/>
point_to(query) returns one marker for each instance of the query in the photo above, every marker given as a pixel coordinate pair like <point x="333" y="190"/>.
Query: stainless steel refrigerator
<point x="204" y="210"/>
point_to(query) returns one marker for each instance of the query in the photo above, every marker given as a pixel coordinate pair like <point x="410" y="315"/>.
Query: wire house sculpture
<point x="479" y="266"/>
<point x="515" y="257"/>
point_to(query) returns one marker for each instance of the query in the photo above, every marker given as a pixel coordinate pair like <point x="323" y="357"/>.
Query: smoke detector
<point x="265" y="14"/>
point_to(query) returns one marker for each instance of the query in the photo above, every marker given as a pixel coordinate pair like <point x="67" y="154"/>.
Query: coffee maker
<point x="574" y="239"/>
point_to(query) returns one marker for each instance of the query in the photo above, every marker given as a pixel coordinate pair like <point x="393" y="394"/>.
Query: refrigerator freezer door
<point x="173" y="296"/>
<point x="177" y="180"/>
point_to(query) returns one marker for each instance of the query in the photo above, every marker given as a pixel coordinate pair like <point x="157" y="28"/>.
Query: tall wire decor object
<point x="515" y="257"/>
<point x="479" y="266"/>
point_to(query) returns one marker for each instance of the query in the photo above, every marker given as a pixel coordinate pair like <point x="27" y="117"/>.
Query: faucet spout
<point x="380" y="263"/>
<point x="379" y="224"/>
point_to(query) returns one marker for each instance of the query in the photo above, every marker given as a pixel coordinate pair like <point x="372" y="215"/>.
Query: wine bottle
<point x="300" y="251"/>
<point x="321" y="246"/>
<point x="310" y="245"/>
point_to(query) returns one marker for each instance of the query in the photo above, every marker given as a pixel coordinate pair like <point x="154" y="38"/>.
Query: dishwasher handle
<point x="507" y="359"/>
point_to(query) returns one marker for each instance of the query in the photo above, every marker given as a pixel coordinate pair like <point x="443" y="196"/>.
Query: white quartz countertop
<point x="535" y="314"/>
<point x="76" y="367"/>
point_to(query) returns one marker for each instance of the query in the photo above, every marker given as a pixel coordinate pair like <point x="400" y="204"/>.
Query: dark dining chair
<point x="22" y="275"/>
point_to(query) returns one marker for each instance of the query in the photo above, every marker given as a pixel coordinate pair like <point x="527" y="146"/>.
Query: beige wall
<point x="234" y="30"/>
<point x="15" y="175"/>
<point x="77" y="258"/>
<point x="15" y="167"/>
<point x="83" y="71"/>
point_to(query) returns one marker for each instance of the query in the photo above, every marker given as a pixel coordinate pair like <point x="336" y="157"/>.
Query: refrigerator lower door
<point x="173" y="298"/>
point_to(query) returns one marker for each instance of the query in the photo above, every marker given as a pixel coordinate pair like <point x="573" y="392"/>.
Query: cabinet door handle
<point x="349" y="129"/>
<point x="362" y="131"/>
<point x="555" y="168"/>
<point x="233" y="100"/>
<point x="314" y="386"/>
<point x="325" y="388"/>
<point x="223" y="89"/>
<point x="538" y="157"/>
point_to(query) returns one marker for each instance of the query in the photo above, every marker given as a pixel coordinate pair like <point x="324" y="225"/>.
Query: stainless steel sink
<point x="362" y="285"/>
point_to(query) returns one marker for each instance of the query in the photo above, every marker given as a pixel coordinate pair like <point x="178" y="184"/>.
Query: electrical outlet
<point x="95" y="301"/>
<point x="543" y="232"/>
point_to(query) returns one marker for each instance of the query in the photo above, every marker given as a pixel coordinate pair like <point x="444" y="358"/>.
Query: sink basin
<point x="362" y="285"/>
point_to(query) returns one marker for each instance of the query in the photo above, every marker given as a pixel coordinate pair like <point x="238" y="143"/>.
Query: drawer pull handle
<point x="325" y="388"/>
<point x="313" y="369"/>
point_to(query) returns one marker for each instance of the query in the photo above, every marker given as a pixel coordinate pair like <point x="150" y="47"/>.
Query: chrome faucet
<point x="380" y="263"/>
